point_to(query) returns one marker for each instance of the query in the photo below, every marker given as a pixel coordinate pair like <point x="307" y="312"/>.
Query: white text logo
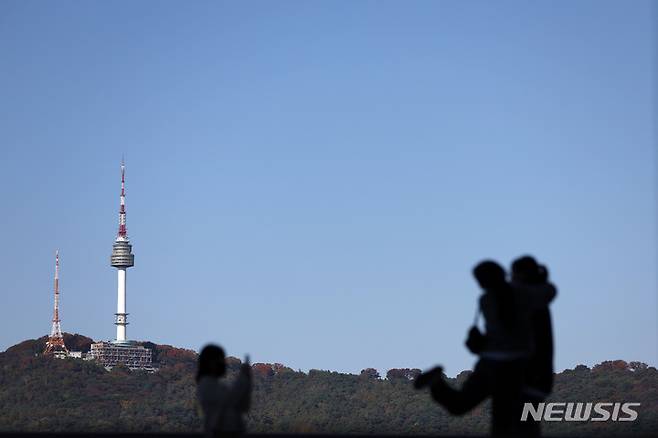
<point x="602" y="411"/>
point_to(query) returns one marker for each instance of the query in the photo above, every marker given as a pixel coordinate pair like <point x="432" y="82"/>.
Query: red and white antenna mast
<point x="122" y="234"/>
<point x="55" y="344"/>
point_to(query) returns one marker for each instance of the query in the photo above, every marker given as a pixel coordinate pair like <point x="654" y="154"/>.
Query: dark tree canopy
<point x="89" y="398"/>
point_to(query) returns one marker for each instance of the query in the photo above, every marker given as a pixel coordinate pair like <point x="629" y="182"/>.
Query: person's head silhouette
<point x="525" y="269"/>
<point x="489" y="274"/>
<point x="212" y="362"/>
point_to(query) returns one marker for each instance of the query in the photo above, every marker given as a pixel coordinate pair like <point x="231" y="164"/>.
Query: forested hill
<point x="44" y="394"/>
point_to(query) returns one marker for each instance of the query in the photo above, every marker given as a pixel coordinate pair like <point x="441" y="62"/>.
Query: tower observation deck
<point x="122" y="256"/>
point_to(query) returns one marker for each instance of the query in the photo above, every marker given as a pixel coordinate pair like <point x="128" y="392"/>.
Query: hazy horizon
<point x="311" y="183"/>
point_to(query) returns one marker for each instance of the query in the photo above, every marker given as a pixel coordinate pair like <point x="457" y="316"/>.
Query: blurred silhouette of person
<point x="504" y="350"/>
<point x="532" y="278"/>
<point x="222" y="404"/>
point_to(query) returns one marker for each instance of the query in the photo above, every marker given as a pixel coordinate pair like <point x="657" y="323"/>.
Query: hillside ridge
<point x="88" y="398"/>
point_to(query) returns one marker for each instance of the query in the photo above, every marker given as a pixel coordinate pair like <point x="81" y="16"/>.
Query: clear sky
<point x="312" y="182"/>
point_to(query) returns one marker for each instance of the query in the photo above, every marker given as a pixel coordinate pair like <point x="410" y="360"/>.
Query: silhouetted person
<point x="504" y="350"/>
<point x="532" y="278"/>
<point x="222" y="404"/>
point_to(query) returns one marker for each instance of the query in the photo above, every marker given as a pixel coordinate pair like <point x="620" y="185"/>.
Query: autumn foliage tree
<point x="403" y="373"/>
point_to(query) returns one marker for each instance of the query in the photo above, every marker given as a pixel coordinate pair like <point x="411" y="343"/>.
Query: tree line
<point x="39" y="393"/>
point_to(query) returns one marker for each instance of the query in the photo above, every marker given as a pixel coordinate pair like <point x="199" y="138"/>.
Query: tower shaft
<point x="121" y="315"/>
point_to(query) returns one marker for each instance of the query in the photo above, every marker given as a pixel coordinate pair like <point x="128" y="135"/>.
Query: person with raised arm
<point x="223" y="404"/>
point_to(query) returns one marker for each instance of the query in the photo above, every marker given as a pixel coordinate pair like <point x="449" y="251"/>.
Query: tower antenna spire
<point x="55" y="344"/>
<point x="122" y="234"/>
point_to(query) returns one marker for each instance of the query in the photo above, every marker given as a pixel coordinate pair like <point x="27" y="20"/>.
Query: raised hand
<point x="246" y="365"/>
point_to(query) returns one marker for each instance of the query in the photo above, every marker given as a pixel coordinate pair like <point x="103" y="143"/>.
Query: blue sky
<point x="312" y="182"/>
